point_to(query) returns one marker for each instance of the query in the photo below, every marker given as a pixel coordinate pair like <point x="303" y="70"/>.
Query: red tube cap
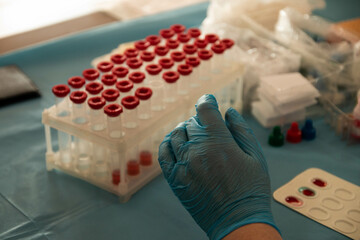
<point x="108" y="79"/>
<point x="170" y="76"/>
<point x="110" y="94"/>
<point x="177" y="56"/>
<point x="143" y="93"/>
<point x="131" y="52"/>
<point x="190" y="48"/>
<point x="205" y="54"/>
<point x="94" y="87"/>
<point x="76" y="82"/>
<point x="183" y="37"/>
<point x="118" y="58"/>
<point x="147" y="56"/>
<point x="113" y="110"/>
<point x="211" y="38"/>
<point x="293" y="135"/>
<point x="166" y="63"/>
<point x="142" y="45"/>
<point x="120" y="71"/>
<point x="166" y="33"/>
<point x="96" y="103"/>
<point x="228" y="42"/>
<point x="134" y="63"/>
<point x="153" y="69"/>
<point x="153" y="39"/>
<point x="105" y="66"/>
<point x="184" y="69"/>
<point x="137" y="77"/>
<point x="161" y="50"/>
<point x="61" y="90"/>
<point x="172" y="43"/>
<point x="201" y="43"/>
<point x="193" y="61"/>
<point x="178" y="28"/>
<point x="130" y="102"/>
<point x="194" y="32"/>
<point x="124" y="85"/>
<point x="78" y="97"/>
<point x="91" y="74"/>
<point x="218" y="48"/>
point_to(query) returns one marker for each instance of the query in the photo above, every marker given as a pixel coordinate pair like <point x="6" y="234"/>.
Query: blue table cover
<point x="36" y="204"/>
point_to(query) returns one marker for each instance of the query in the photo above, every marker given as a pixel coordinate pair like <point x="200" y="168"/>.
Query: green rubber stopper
<point x="276" y="138"/>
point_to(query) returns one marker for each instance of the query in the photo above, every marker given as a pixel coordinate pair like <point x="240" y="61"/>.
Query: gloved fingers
<point x="166" y="158"/>
<point x="178" y="139"/>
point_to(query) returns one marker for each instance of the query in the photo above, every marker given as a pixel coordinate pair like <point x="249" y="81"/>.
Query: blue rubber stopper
<point x="308" y="132"/>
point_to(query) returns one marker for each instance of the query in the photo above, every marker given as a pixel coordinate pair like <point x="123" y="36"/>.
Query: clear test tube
<point x="147" y="58"/>
<point x="205" y="67"/>
<point x="64" y="141"/>
<point x="146" y="153"/>
<point x="61" y="101"/>
<point x="157" y="103"/>
<point x="104" y="67"/>
<point x="170" y="91"/>
<point x="91" y="74"/>
<point x="130" y="104"/>
<point x="201" y="43"/>
<point x="190" y="50"/>
<point x="194" y="62"/>
<point x="211" y="38"/>
<point x="184" y="71"/>
<point x="82" y="157"/>
<point x="111" y="95"/>
<point x="218" y="58"/>
<point x="141" y="45"/>
<point x="138" y="78"/>
<point x="120" y="72"/>
<point x="115" y="167"/>
<point x="108" y="80"/>
<point x="178" y="28"/>
<point x="78" y="99"/>
<point x="114" y="124"/>
<point x="144" y="94"/>
<point x="153" y="72"/>
<point x="160" y="52"/>
<point x="131" y="52"/>
<point x="76" y="83"/>
<point x="97" y="120"/>
<point x="172" y="44"/>
<point x="94" y="89"/>
<point x="118" y="59"/>
<point x="166" y="63"/>
<point x="125" y="87"/>
<point x="228" y="54"/>
<point x="166" y="34"/>
<point x="178" y="57"/>
<point x="153" y="40"/>
<point x="194" y="33"/>
<point x="134" y="63"/>
<point x="132" y="159"/>
<point x="100" y="167"/>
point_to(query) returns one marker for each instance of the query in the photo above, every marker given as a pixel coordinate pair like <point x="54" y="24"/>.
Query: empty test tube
<point x="138" y="78"/>
<point x="61" y="101"/>
<point x="105" y="67"/>
<point x="114" y="124"/>
<point x="201" y="43"/>
<point x="97" y="121"/>
<point x="147" y="58"/>
<point x="82" y="158"/>
<point x="172" y="44"/>
<point x="91" y="74"/>
<point x="111" y="95"/>
<point x="205" y="68"/>
<point x="161" y="51"/>
<point x="94" y="88"/>
<point x="194" y="62"/>
<point x="118" y="59"/>
<point x="131" y="52"/>
<point x="157" y="97"/>
<point x="166" y="34"/>
<point x="64" y="141"/>
<point x="153" y="40"/>
<point x="194" y="33"/>
<point x="79" y="115"/>
<point x="125" y="87"/>
<point x="144" y="94"/>
<point x="178" y="28"/>
<point x="153" y="72"/>
<point x="100" y="168"/>
<point x="183" y="84"/>
<point x="108" y="80"/>
<point x="190" y="49"/>
<point x="166" y="63"/>
<point x="130" y="104"/>
<point x="76" y="83"/>
<point x="141" y="45"/>
<point x="120" y="72"/>
<point x="218" y="58"/>
<point x="170" y="91"/>
<point x="178" y="57"/>
<point x="134" y="63"/>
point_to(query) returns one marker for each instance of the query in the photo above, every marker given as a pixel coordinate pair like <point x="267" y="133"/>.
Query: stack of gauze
<point x="283" y="99"/>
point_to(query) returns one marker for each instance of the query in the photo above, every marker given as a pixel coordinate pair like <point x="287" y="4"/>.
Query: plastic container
<point x="171" y="86"/>
<point x="184" y="71"/>
<point x="79" y="115"/>
<point x="120" y="72"/>
<point x="61" y="101"/>
<point x="138" y="78"/>
<point x="134" y="63"/>
<point x="76" y="83"/>
<point x="118" y="59"/>
<point x="153" y="72"/>
<point x="108" y="80"/>
<point x="94" y="89"/>
<point x="113" y="116"/>
<point x="144" y="94"/>
<point x="111" y="95"/>
<point x="125" y="87"/>
<point x="97" y="121"/>
<point x="205" y="68"/>
<point x="130" y="104"/>
<point x="194" y="62"/>
<point x="91" y="74"/>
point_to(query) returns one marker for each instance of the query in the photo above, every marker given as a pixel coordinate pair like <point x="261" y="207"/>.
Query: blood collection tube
<point x="97" y="121"/>
<point x="141" y="45"/>
<point x="170" y="91"/>
<point x="178" y="57"/>
<point x="147" y="58"/>
<point x="178" y="28"/>
<point x="184" y="71"/>
<point x="153" y="40"/>
<point x="153" y="72"/>
<point x="108" y="80"/>
<point x="131" y="52"/>
<point x="166" y="63"/>
<point x="228" y="54"/>
<point x="160" y="52"/>
<point x="145" y="155"/>
<point x="114" y="124"/>
<point x="194" y="33"/>
<point x="211" y="38"/>
<point x="194" y="62"/>
<point x="183" y="38"/>
<point x="138" y="78"/>
<point x="172" y="44"/>
<point x="132" y="166"/>
<point x="130" y="104"/>
<point x="120" y="72"/>
<point x="218" y="59"/>
<point x="144" y="94"/>
<point x="91" y="74"/>
<point x="134" y="63"/>
<point x="166" y="34"/>
<point x="201" y="43"/>
<point x="205" y="68"/>
<point x="111" y="95"/>
<point x="190" y="49"/>
<point x="76" y="83"/>
<point x="94" y="88"/>
<point x="118" y="59"/>
<point x="61" y="101"/>
<point x="79" y="115"/>
<point x="105" y="67"/>
<point x="117" y="170"/>
<point x="125" y="87"/>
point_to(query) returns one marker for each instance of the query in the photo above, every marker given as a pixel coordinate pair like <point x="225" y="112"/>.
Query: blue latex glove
<point x="217" y="170"/>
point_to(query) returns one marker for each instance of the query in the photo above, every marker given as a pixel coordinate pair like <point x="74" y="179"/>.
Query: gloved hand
<point x="217" y="170"/>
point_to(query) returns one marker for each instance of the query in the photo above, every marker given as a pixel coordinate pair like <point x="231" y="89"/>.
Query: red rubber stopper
<point x="201" y="43"/>
<point x="218" y="48"/>
<point x="194" y="32"/>
<point x="172" y="43"/>
<point x="110" y="94"/>
<point x="189" y="48"/>
<point x="137" y="77"/>
<point x="131" y="52"/>
<point x="96" y="102"/>
<point x="184" y="69"/>
<point x="76" y="82"/>
<point x="178" y="28"/>
<point x="143" y="93"/>
<point x="167" y="33"/>
<point x="183" y="37"/>
<point x="124" y="85"/>
<point x="105" y="66"/>
<point x="166" y="63"/>
<point x="130" y="102"/>
<point x="161" y="50"/>
<point x="193" y="61"/>
<point x="116" y="177"/>
<point x="318" y="182"/>
<point x="153" y="69"/>
<point x="134" y="63"/>
<point x="147" y="56"/>
<point x="170" y="76"/>
<point x="108" y="79"/>
<point x="145" y="158"/>
<point x="94" y="88"/>
<point x="141" y="45"/>
<point x="61" y="90"/>
<point x="133" y="168"/>
<point x="177" y="56"/>
<point x="228" y="42"/>
<point x="118" y="58"/>
<point x="91" y="74"/>
<point x="78" y="97"/>
<point x="205" y="54"/>
<point x="153" y="39"/>
<point x="293" y="135"/>
<point x="211" y="38"/>
<point x="120" y="71"/>
<point x="113" y="110"/>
